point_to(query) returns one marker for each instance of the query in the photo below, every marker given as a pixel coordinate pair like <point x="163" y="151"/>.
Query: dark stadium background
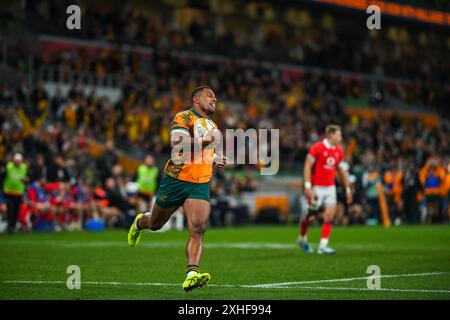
<point x="84" y="106"/>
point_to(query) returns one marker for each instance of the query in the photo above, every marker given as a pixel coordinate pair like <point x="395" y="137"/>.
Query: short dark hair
<point x="332" y="128"/>
<point x="197" y="91"/>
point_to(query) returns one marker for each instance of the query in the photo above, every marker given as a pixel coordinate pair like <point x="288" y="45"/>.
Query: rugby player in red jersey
<point x="321" y="164"/>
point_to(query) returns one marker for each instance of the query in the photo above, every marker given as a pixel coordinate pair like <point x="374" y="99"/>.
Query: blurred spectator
<point x="106" y="210"/>
<point x="248" y="183"/>
<point x="36" y="206"/>
<point x="147" y="177"/>
<point x="57" y="171"/>
<point x="411" y="187"/>
<point x="446" y="192"/>
<point x="393" y="184"/>
<point x="371" y="179"/>
<point x="14" y="188"/>
<point x="38" y="169"/>
<point x="116" y="200"/>
<point x="106" y="161"/>
<point x="432" y="177"/>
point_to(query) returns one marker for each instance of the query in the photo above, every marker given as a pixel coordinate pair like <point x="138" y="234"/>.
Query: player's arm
<point x="178" y="135"/>
<point x="220" y="160"/>
<point x="344" y="180"/>
<point x="309" y="163"/>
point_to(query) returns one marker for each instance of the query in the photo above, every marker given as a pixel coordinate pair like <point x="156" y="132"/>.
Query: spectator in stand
<point x="432" y="177"/>
<point x="38" y="169"/>
<point x="14" y="188"/>
<point x="147" y="177"/>
<point x="371" y="178"/>
<point x="248" y="183"/>
<point x="116" y="200"/>
<point x="392" y="182"/>
<point x="2" y="204"/>
<point x="106" y="161"/>
<point x="61" y="202"/>
<point x="411" y="186"/>
<point x="446" y="192"/>
<point x="36" y="206"/>
<point x="106" y="211"/>
<point x="57" y="172"/>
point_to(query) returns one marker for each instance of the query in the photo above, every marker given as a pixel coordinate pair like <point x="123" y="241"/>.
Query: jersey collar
<point x="197" y="114"/>
<point x="327" y="144"/>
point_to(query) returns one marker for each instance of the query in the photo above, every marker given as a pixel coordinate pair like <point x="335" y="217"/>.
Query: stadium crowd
<point x="394" y="53"/>
<point x="52" y="132"/>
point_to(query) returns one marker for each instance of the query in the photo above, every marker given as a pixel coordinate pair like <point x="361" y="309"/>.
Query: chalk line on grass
<point x="279" y="285"/>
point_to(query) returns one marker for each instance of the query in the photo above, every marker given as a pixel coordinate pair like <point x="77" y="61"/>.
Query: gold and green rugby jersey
<point x="194" y="124"/>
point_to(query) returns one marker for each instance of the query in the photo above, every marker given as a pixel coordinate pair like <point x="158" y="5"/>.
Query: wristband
<point x="308" y="185"/>
<point x="348" y="190"/>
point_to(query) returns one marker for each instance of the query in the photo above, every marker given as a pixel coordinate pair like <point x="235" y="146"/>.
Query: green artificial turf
<point x="414" y="263"/>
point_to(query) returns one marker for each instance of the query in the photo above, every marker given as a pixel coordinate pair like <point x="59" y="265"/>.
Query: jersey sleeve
<point x="180" y="123"/>
<point x="314" y="151"/>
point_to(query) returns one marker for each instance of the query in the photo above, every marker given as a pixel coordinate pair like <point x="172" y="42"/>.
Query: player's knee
<point x="328" y="216"/>
<point x="198" y="229"/>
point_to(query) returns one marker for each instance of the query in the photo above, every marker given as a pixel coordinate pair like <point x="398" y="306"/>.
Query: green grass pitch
<point x="257" y="262"/>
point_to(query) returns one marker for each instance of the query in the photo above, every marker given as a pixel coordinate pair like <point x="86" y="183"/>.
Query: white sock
<point x="190" y="273"/>
<point x="323" y="243"/>
<point x="303" y="238"/>
<point x="136" y="228"/>
<point x="135" y="224"/>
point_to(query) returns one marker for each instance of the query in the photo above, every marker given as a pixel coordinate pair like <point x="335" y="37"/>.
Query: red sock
<point x="62" y="217"/>
<point x="326" y="230"/>
<point x="304" y="227"/>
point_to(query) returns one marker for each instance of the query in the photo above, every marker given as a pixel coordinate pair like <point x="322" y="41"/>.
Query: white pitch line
<point x="97" y="283"/>
<point x="281" y="285"/>
<point x="212" y="285"/>
<point x="266" y="285"/>
<point x="371" y="290"/>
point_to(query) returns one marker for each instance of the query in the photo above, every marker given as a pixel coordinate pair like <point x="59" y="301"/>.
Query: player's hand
<point x="213" y="136"/>
<point x="349" y="197"/>
<point x="309" y="193"/>
<point x="220" y="160"/>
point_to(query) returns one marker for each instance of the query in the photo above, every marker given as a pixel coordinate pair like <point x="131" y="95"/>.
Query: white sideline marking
<point x="281" y="285"/>
<point x="367" y="289"/>
<point x="97" y="283"/>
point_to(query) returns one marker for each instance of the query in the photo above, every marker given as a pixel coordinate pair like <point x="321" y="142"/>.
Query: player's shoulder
<point x="318" y="145"/>
<point x="187" y="114"/>
<point x="183" y="119"/>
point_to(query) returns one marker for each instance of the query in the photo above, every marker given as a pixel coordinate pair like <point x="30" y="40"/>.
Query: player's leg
<point x="153" y="220"/>
<point x="330" y="203"/>
<point x="170" y="195"/>
<point x="328" y="216"/>
<point x="314" y="205"/>
<point x="303" y="229"/>
<point x="197" y="212"/>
